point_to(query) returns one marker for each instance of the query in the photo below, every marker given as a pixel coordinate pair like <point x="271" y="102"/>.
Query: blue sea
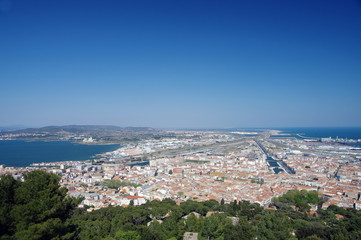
<point x="325" y="132"/>
<point x="21" y="153"/>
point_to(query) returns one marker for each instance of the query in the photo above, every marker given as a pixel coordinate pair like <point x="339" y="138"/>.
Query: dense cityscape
<point x="205" y="165"/>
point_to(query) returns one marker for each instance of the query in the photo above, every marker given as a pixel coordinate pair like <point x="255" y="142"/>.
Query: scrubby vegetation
<point x="38" y="208"/>
<point x="302" y="200"/>
<point x="115" y="184"/>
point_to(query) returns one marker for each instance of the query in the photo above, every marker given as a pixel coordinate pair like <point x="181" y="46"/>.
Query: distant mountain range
<point x="12" y="127"/>
<point x="84" y="129"/>
<point x="100" y="133"/>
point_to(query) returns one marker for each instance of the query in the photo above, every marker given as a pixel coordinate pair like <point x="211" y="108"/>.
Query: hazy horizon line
<point x="21" y="126"/>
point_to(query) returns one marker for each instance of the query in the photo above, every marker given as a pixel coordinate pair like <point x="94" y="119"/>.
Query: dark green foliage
<point x="312" y="229"/>
<point x="8" y="185"/>
<point x="37" y="208"/>
<point x="192" y="206"/>
<point x="299" y="199"/>
<point x="244" y="208"/>
<point x="125" y="235"/>
<point x="273" y="225"/>
<point x="244" y="230"/>
<point x="115" y="184"/>
<point x="214" y="226"/>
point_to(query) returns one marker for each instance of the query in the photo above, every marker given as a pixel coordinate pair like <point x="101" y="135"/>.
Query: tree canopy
<point x="36" y="208"/>
<point x="302" y="200"/>
<point x="115" y="184"/>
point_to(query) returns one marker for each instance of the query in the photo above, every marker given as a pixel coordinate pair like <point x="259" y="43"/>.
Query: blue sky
<point x="180" y="64"/>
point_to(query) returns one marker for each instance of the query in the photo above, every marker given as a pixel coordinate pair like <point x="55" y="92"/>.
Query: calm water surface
<point x="22" y="153"/>
<point x="325" y="132"/>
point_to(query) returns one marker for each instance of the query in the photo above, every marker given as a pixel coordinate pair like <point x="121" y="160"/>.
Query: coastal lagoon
<point x="16" y="153"/>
